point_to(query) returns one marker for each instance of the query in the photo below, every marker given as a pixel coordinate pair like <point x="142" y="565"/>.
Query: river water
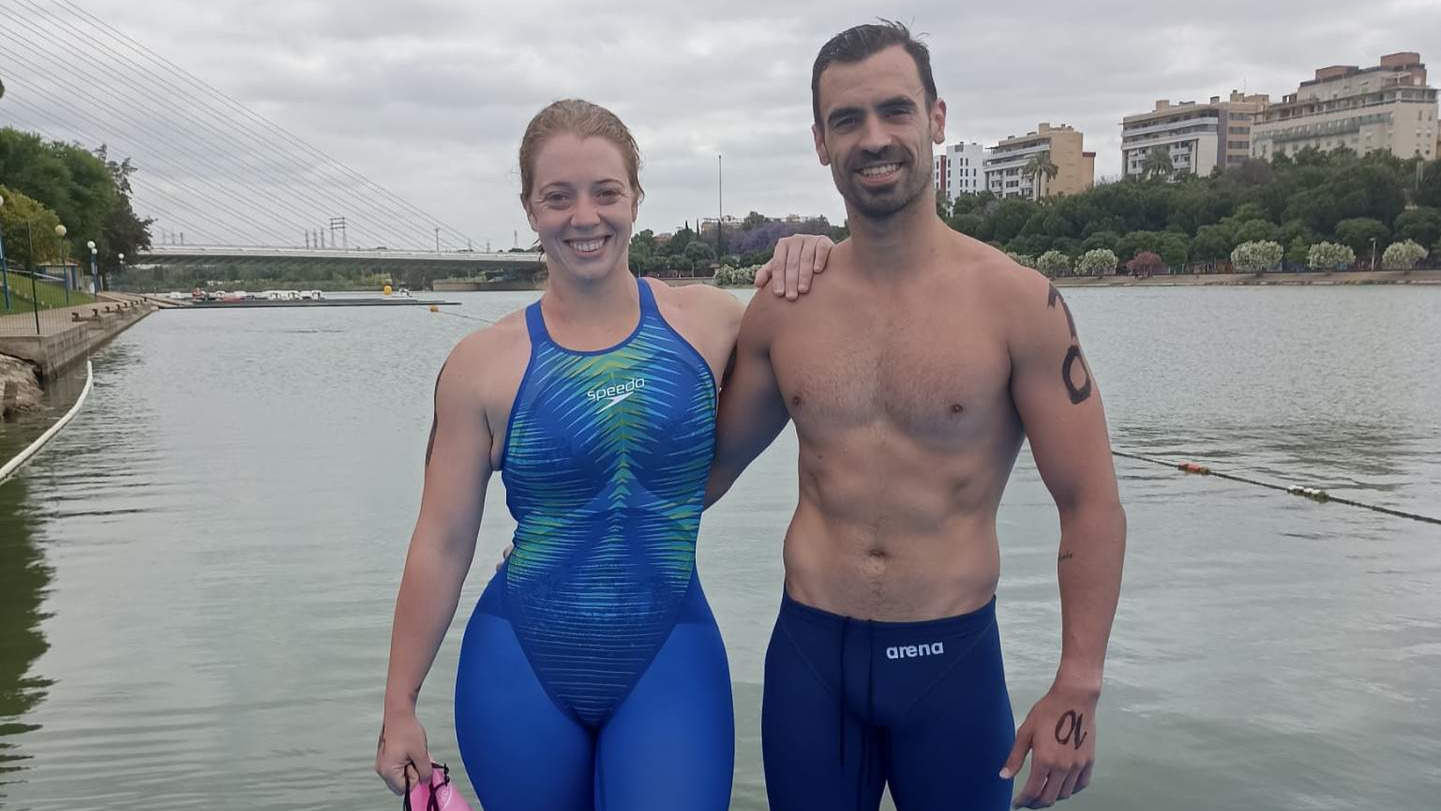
<point x="197" y="576"/>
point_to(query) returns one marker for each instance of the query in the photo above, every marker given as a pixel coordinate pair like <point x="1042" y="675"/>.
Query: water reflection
<point x="24" y="579"/>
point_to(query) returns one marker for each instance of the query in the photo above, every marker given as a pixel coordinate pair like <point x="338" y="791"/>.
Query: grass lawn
<point x="50" y="295"/>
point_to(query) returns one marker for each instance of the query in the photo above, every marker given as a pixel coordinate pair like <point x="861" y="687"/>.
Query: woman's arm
<point x="457" y="468"/>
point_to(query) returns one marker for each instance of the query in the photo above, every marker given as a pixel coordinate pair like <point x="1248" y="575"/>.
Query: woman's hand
<point x="402" y="748"/>
<point x="796" y="259"/>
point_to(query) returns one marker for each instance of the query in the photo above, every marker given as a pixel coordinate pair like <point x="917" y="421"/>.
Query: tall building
<point x="1385" y="107"/>
<point x="958" y="170"/>
<point x="1197" y="137"/>
<point x="1005" y="165"/>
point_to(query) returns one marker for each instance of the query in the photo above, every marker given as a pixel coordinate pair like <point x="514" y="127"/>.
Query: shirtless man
<point x="912" y="375"/>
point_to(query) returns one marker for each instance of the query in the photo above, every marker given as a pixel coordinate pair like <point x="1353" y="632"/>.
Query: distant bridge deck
<point x="458" y="261"/>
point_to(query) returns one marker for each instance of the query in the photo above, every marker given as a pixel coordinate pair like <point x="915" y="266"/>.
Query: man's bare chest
<point x="924" y="375"/>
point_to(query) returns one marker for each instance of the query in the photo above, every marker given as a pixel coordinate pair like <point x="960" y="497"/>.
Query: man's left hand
<point x="1060" y="732"/>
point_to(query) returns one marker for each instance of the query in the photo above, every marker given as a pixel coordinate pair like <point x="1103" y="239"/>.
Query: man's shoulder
<point x="991" y="273"/>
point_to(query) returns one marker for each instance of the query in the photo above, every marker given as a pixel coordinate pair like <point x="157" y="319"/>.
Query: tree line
<point x="688" y="252"/>
<point x="49" y="183"/>
<point x="1296" y="201"/>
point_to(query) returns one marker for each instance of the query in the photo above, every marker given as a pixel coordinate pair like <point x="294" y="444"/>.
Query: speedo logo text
<point x="614" y="394"/>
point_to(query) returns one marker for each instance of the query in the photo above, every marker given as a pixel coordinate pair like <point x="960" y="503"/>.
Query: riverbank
<point x="68" y="335"/>
<point x="1256" y="279"/>
<point x="19" y="386"/>
<point x="1222" y="279"/>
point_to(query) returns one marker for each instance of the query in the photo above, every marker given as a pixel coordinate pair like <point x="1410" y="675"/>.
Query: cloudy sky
<point x="429" y="97"/>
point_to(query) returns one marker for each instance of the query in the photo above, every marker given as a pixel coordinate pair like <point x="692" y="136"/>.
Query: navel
<point x="956" y="408"/>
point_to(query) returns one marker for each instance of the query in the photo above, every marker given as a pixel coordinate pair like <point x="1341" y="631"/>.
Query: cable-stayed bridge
<point x="223" y="183"/>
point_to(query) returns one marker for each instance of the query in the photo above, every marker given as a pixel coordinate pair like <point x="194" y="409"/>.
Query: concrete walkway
<point x="69" y="334"/>
<point x="56" y="320"/>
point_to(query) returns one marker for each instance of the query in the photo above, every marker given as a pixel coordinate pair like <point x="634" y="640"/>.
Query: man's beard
<point x="883" y="204"/>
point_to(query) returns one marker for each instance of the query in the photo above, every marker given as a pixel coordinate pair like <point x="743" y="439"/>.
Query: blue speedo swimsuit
<point x="592" y="674"/>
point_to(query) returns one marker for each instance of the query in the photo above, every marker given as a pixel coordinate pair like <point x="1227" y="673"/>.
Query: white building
<point x="1196" y="137"/>
<point x="957" y="170"/>
<point x="1387" y="107"/>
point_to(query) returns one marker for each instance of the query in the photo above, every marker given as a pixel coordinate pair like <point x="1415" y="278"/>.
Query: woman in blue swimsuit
<point x="592" y="674"/>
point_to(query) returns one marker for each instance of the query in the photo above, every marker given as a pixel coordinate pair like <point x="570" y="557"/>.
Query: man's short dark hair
<point x="864" y="41"/>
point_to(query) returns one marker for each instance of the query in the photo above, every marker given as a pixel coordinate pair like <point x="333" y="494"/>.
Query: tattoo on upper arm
<point x="1079" y="392"/>
<point x="435" y="417"/>
<point x="1065" y="556"/>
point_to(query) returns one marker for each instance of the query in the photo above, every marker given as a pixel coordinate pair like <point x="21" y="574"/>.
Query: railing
<point x="34" y="303"/>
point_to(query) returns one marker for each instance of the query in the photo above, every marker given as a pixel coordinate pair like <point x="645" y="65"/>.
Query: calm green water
<point x="197" y="576"/>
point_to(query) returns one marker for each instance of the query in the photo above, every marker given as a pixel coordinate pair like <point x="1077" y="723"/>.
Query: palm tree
<point x="1157" y="164"/>
<point x="1040" y="165"/>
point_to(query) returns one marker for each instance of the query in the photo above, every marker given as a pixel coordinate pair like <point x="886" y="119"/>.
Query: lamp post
<point x="1373" y="254"/>
<point x="30" y="257"/>
<point x="122" y="268"/>
<point x="94" y="276"/>
<point x="64" y="261"/>
<point x="4" y="268"/>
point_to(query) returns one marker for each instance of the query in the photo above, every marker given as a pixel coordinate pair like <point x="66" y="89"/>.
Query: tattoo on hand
<point x="1068" y="729"/>
<point x="1079" y="392"/>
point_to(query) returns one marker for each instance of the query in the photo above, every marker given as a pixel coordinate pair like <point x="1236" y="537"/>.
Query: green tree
<point x="653" y="265"/>
<point x="1298" y="252"/>
<point x="1403" y="255"/>
<point x="1034" y="244"/>
<point x="753" y="220"/>
<point x="1247" y="212"/>
<point x="1213" y="242"/>
<point x="1137" y="241"/>
<point x="123" y="232"/>
<point x="700" y="252"/>
<point x="1293" y="230"/>
<point x="974" y="225"/>
<point x="1098" y="262"/>
<point x="1157" y="164"/>
<point x="1010" y="217"/>
<point x="25" y="222"/>
<point x="1329" y="256"/>
<point x="1256" y="231"/>
<point x="1255" y="257"/>
<point x="1040" y="169"/>
<point x="1428" y="191"/>
<point x="1421" y="225"/>
<point x="1358" y="234"/>
<point x="1101" y="240"/>
<point x="680" y="240"/>
<point x="643" y="241"/>
<point x="1053" y="263"/>
<point x="1174" y="248"/>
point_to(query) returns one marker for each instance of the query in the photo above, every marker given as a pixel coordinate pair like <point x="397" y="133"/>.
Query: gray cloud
<point x="430" y="98"/>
